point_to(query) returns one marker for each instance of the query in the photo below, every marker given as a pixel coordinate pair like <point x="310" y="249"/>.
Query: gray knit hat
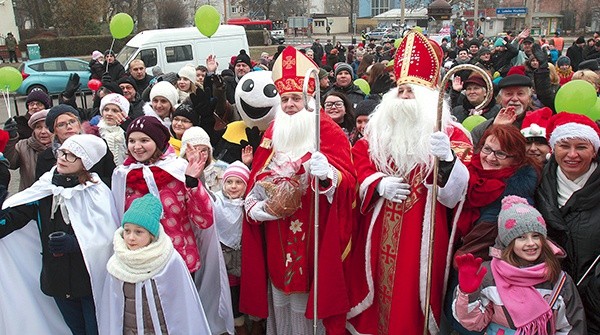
<point x="341" y="66"/>
<point x="518" y="217"/>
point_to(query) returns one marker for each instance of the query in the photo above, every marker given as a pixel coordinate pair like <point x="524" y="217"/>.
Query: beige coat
<point x="23" y="154"/>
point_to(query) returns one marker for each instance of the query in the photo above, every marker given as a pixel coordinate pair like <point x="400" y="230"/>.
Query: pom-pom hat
<point x="89" y="148"/>
<point x="568" y="125"/>
<point x="40" y="96"/>
<point x="145" y="212"/>
<point x="152" y="127"/>
<point x="237" y="169"/>
<point x="289" y="70"/>
<point x="534" y="124"/>
<point x="517" y="217"/>
<point x="243" y="58"/>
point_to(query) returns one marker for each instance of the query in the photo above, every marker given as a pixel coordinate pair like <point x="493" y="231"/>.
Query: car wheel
<point x="37" y="87"/>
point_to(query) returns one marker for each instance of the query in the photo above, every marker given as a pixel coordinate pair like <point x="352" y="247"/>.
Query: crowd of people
<point x="202" y="202"/>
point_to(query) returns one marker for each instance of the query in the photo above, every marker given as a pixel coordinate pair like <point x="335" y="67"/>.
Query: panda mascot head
<point x="257" y="99"/>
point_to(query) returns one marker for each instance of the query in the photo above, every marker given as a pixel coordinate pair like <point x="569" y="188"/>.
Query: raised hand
<point x="470" y="272"/>
<point x="506" y="115"/>
<point x="72" y="86"/>
<point x="196" y="161"/>
<point x="211" y="63"/>
<point x="247" y="155"/>
<point x="457" y="84"/>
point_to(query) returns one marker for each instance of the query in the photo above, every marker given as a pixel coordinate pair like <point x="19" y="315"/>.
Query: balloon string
<point x="6" y="98"/>
<point x="111" y="51"/>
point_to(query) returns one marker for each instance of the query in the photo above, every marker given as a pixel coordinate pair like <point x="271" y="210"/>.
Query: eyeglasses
<point x="63" y="125"/>
<point x="35" y="104"/>
<point x="501" y="155"/>
<point x="181" y="120"/>
<point x="68" y="156"/>
<point x="337" y="104"/>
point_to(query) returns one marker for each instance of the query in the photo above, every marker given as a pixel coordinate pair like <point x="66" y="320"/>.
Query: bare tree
<point x="38" y="12"/>
<point x="171" y="14"/>
<point x="77" y="17"/>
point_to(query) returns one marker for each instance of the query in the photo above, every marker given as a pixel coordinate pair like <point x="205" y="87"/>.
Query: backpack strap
<point x="557" y="288"/>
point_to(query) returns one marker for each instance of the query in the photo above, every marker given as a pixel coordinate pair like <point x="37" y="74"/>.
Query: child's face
<point x="234" y="187"/>
<point x="565" y="67"/>
<point x="528" y="246"/>
<point x="361" y="122"/>
<point x="136" y="237"/>
<point x="110" y="114"/>
<point x="141" y="146"/>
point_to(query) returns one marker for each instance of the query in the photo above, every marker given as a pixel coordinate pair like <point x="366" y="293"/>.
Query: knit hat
<point x="115" y="99"/>
<point x="365" y="107"/>
<point x="243" y="58"/>
<point x="563" y="60"/>
<point x="128" y="80"/>
<point x="323" y="73"/>
<point x="534" y="124"/>
<point x="194" y="136"/>
<point x="528" y="39"/>
<point x="4" y="137"/>
<point x="580" y="40"/>
<point x="37" y="116"/>
<point x="566" y="125"/>
<point x="341" y="66"/>
<point x="152" y="127"/>
<point x="169" y="77"/>
<point x="96" y="54"/>
<point x="89" y="148"/>
<point x="187" y="112"/>
<point x="112" y="86"/>
<point x="57" y="111"/>
<point x="144" y="212"/>
<point x="237" y="169"/>
<point x="109" y="52"/>
<point x="518" y="217"/>
<point x="499" y="42"/>
<point x="166" y="90"/>
<point x="157" y="71"/>
<point x="483" y="51"/>
<point x="38" y="95"/>
<point x="590" y="64"/>
<point x="189" y="72"/>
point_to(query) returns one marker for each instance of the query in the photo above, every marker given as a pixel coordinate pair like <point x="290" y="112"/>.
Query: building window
<point x="379" y="6"/>
<point x="319" y="23"/>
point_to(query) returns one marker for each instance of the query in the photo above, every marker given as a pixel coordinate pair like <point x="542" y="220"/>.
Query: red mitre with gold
<point x="289" y="70"/>
<point x="418" y="61"/>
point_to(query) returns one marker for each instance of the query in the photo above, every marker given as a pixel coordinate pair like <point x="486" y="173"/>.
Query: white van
<point x="171" y="49"/>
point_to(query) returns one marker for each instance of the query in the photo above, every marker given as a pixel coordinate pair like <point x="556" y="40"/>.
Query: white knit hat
<point x="166" y="90"/>
<point x="115" y="99"/>
<point x="189" y="72"/>
<point x="194" y="136"/>
<point x="97" y="54"/>
<point x="89" y="148"/>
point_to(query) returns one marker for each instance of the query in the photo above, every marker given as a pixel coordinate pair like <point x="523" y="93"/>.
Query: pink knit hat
<point x="237" y="169"/>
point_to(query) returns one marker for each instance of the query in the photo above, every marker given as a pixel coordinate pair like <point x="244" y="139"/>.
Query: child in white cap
<point x="522" y="290"/>
<point x="114" y="109"/>
<point x="149" y="290"/>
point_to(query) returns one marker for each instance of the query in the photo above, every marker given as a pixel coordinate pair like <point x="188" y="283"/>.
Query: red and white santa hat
<point x="568" y="125"/>
<point x="237" y="169"/>
<point x="535" y="123"/>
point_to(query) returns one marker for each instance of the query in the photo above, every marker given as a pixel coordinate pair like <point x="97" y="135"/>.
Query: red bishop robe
<point x="282" y="250"/>
<point x="388" y="289"/>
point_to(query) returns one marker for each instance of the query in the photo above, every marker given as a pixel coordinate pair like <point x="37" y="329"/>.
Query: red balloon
<point x="94" y="84"/>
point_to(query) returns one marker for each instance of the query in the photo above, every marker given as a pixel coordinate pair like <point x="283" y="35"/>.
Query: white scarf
<point x="134" y="266"/>
<point x="115" y="139"/>
<point x="567" y="187"/>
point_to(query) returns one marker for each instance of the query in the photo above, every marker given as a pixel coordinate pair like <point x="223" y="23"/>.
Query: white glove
<point x="440" y="146"/>
<point x="319" y="166"/>
<point x="258" y="213"/>
<point x="393" y="189"/>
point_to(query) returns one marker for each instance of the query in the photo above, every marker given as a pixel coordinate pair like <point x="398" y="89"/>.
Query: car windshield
<point x="125" y="54"/>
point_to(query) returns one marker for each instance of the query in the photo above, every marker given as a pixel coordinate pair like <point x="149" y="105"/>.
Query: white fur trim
<point x="364" y="186"/>
<point x="575" y="130"/>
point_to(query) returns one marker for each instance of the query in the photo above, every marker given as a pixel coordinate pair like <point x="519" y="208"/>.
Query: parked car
<point x="277" y="36"/>
<point x="378" y="33"/>
<point x="52" y="74"/>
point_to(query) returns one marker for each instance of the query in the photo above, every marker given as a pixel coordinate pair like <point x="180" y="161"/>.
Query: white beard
<point x="398" y="131"/>
<point x="294" y="135"/>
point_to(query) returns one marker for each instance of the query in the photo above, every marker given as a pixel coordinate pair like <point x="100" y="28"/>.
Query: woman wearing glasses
<point x="184" y="118"/>
<point x="63" y="121"/>
<point x="69" y="217"/>
<point x="340" y="110"/>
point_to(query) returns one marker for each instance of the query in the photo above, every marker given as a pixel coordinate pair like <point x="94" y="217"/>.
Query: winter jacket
<point x="575" y="54"/>
<point x="502" y="60"/>
<point x="475" y="311"/>
<point x="97" y="69"/>
<point x="576" y="228"/>
<point x="353" y="92"/>
<point x="23" y="155"/>
<point x="22" y="126"/>
<point x="141" y="85"/>
<point x="129" y="320"/>
<point x="461" y="112"/>
<point x="4" y="178"/>
<point x="116" y="70"/>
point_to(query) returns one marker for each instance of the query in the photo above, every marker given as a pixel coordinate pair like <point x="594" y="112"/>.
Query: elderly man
<point x="277" y="257"/>
<point x="137" y="71"/>
<point x="136" y="104"/>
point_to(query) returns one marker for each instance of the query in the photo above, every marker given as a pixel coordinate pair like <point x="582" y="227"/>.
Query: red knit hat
<point x="535" y="122"/>
<point x="4" y="137"/>
<point x="568" y="125"/>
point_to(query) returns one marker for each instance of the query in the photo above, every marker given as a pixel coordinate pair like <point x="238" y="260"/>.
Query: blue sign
<point x="511" y="10"/>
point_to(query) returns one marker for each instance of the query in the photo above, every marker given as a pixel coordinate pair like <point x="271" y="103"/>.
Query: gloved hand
<point x="254" y="137"/>
<point x="258" y="213"/>
<point x="200" y="102"/>
<point x="10" y="126"/>
<point x="439" y="146"/>
<point x="540" y="55"/>
<point x="319" y="166"/>
<point x="393" y="189"/>
<point x="470" y="272"/>
<point x="382" y="84"/>
<point x="106" y="77"/>
<point x="63" y="244"/>
<point x="72" y="86"/>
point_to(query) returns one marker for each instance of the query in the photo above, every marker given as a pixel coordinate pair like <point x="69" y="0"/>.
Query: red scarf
<point x="135" y="179"/>
<point x="485" y="186"/>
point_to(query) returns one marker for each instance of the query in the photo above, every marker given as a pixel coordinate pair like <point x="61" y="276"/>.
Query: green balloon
<point x="121" y="25"/>
<point x="363" y="85"/>
<point x="577" y="96"/>
<point x="397" y="42"/>
<point x="207" y="20"/>
<point x="473" y="121"/>
<point x="594" y="112"/>
<point x="10" y="79"/>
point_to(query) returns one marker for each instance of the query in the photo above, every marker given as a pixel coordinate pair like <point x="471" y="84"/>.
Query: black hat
<point x="39" y="95"/>
<point x="56" y="111"/>
<point x="528" y="39"/>
<point x="112" y="86"/>
<point x="243" y="58"/>
<point x="187" y="112"/>
<point x="515" y="80"/>
<point x="109" y="52"/>
<point x="128" y="80"/>
<point x="474" y="42"/>
<point x="580" y="40"/>
<point x="591" y="64"/>
<point x="365" y="107"/>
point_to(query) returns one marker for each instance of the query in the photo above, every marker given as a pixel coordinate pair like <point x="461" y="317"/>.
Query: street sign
<point x="511" y="10"/>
